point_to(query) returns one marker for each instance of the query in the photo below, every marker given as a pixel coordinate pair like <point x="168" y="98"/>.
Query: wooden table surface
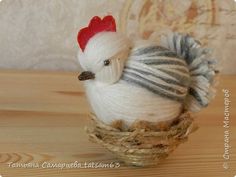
<point x="42" y="120"/>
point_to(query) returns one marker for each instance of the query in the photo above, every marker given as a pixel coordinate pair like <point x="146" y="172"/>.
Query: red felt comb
<point x="95" y="26"/>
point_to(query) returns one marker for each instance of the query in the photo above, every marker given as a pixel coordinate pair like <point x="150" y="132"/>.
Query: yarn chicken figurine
<point x="128" y="80"/>
<point x="141" y="81"/>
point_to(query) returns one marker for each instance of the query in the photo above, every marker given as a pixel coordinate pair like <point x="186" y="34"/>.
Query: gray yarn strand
<point x="182" y="70"/>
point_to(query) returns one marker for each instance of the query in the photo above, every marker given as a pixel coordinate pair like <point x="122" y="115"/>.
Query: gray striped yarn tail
<point x="201" y="66"/>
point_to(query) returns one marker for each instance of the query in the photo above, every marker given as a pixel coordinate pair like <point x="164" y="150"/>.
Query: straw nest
<point x="144" y="143"/>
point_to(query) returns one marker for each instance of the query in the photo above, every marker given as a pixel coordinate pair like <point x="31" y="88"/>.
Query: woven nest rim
<point x="143" y="143"/>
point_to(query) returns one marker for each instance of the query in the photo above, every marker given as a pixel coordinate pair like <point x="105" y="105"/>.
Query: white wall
<point x="41" y="34"/>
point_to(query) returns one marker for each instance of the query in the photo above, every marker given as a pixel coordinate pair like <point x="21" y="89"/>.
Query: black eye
<point x="106" y="62"/>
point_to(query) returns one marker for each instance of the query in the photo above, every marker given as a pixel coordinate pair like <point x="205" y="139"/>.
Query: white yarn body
<point x="149" y="82"/>
<point x="112" y="98"/>
<point x="123" y="101"/>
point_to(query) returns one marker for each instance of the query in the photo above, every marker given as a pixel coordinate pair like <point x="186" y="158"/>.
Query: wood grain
<point x="42" y="119"/>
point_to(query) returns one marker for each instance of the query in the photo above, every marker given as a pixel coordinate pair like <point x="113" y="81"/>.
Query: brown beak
<point x="86" y="75"/>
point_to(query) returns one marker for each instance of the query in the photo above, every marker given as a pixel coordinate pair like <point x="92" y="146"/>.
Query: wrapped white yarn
<point x="202" y="69"/>
<point x="145" y="81"/>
